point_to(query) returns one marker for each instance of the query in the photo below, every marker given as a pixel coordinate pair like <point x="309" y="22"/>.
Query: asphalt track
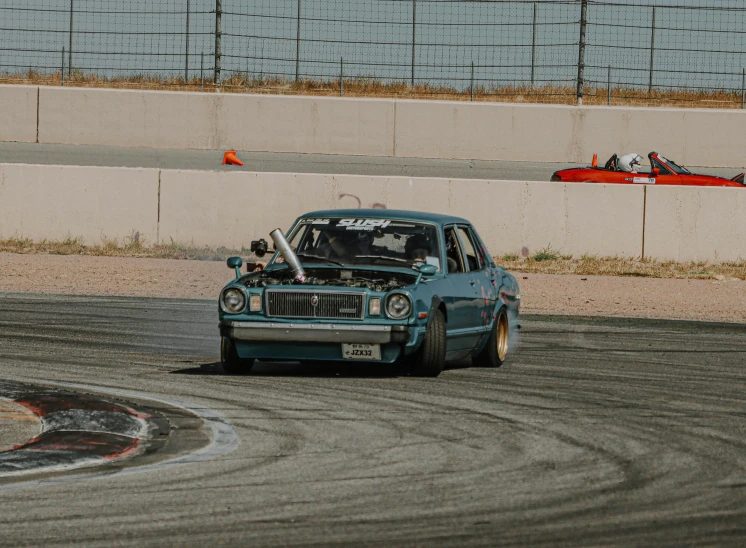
<point x="597" y="432"/>
<point x="27" y="153"/>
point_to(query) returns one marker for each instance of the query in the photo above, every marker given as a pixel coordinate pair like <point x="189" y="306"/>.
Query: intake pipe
<point x="287" y="252"/>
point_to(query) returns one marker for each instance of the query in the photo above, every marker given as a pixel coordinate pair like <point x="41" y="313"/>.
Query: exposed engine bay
<point x="337" y="277"/>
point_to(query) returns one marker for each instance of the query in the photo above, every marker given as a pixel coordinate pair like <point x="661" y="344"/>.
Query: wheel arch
<point x="501" y="302"/>
<point x="499" y="305"/>
<point x="438" y="304"/>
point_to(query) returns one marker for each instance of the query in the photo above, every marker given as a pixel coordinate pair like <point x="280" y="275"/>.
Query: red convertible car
<point x="663" y="172"/>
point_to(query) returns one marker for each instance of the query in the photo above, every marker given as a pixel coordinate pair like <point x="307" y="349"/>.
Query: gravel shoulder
<point x="705" y="300"/>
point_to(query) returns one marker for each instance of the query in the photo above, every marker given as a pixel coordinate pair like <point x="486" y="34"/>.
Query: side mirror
<point x="235" y="263"/>
<point x="656" y="171"/>
<point x="428" y="269"/>
<point x="424" y="270"/>
<point x="259" y="247"/>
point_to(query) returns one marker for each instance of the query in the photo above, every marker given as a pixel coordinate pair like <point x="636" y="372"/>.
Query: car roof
<point x="393" y="214"/>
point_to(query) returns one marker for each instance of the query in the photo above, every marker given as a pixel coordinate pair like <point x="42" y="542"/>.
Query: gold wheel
<point x="502" y="336"/>
<point x="496" y="349"/>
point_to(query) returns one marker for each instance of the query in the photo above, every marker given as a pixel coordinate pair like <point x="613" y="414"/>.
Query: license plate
<point x="361" y="351"/>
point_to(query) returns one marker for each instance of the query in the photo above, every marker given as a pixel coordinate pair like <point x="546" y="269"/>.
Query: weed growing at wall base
<point x="549" y="261"/>
<point x="552" y="263"/>
<point x="131" y="246"/>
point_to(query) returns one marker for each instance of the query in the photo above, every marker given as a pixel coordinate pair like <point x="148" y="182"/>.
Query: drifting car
<point x="371" y="286"/>
<point x="662" y="172"/>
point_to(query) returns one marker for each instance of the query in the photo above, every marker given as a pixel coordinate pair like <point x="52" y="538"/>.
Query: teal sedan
<point x="372" y="286"/>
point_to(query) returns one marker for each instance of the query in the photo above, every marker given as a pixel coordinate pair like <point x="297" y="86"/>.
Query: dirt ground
<point x="711" y="300"/>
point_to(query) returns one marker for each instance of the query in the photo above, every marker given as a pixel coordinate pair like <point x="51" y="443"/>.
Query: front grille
<point x="312" y="304"/>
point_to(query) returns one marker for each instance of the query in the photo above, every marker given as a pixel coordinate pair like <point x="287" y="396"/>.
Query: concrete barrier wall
<point x="694" y="224"/>
<point x="54" y="202"/>
<point x="572" y="219"/>
<point x="18" y="113"/>
<point x="373" y="127"/>
<point x="232" y="208"/>
<point x="163" y="119"/>
<point x="557" y="133"/>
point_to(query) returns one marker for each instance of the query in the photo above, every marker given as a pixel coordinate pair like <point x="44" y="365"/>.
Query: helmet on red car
<point x="630" y="162"/>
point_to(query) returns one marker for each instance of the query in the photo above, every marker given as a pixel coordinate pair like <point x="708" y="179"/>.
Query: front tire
<point x="495" y="351"/>
<point x="232" y="364"/>
<point x="431" y="356"/>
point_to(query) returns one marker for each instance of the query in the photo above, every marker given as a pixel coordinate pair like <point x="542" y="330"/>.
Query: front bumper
<point x="314" y="332"/>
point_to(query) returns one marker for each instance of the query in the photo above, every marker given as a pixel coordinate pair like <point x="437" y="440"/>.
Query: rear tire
<point x="430" y="358"/>
<point x="495" y="351"/>
<point x="232" y="364"/>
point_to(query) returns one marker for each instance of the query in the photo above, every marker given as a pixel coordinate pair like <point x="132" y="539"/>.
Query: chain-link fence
<point x="595" y="51"/>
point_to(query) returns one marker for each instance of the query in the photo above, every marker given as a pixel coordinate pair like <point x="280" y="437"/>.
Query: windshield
<point x="677" y="168"/>
<point x="365" y="241"/>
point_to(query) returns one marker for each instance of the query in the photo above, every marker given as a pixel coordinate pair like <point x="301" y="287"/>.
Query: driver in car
<point x="417" y="248"/>
<point x="343" y="245"/>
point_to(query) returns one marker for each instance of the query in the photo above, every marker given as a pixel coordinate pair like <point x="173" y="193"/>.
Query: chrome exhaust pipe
<point x="287" y="252"/>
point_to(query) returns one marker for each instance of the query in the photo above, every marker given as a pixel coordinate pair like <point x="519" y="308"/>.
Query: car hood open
<point x="375" y="279"/>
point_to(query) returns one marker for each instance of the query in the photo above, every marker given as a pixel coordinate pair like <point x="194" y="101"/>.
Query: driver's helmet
<point x="417" y="247"/>
<point x="364" y="241"/>
<point x="630" y="162"/>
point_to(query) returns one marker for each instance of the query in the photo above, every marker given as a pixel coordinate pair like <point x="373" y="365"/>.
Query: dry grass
<point x="131" y="246"/>
<point x="618" y="266"/>
<point x="545" y="261"/>
<point x="369" y="87"/>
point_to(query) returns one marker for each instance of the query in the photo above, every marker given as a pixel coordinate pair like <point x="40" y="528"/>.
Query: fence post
<point x="533" y="48"/>
<point x="743" y="89"/>
<point x="297" y="47"/>
<point x="341" y="77"/>
<point x="62" y="72"/>
<point x="414" y="30"/>
<point x="581" y="49"/>
<point x="218" y="35"/>
<point x="202" y="70"/>
<point x="186" y="49"/>
<point x="471" y="86"/>
<point x="248" y="57"/>
<point x="608" y="87"/>
<point x="70" y="44"/>
<point x="261" y="63"/>
<point x="652" y="52"/>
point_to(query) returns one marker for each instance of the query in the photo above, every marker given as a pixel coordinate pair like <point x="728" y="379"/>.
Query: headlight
<point x="233" y="300"/>
<point x="398" y="306"/>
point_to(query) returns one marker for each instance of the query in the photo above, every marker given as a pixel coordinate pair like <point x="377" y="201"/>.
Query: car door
<point x="482" y="279"/>
<point x="462" y="300"/>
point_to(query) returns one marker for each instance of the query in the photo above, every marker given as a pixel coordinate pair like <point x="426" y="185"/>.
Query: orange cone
<point x="230" y="158"/>
<point x="594" y="163"/>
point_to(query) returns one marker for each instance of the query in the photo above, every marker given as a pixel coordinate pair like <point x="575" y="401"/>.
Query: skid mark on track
<point x="223" y="439"/>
